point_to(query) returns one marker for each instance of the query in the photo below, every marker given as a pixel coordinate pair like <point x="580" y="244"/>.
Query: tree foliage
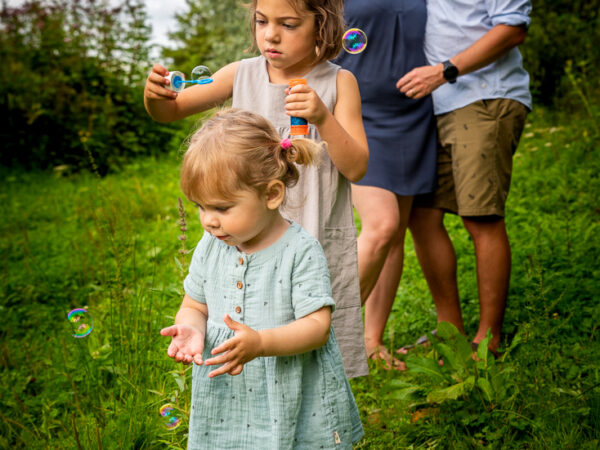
<point x="561" y="31"/>
<point x="71" y="84"/>
<point x="210" y="33"/>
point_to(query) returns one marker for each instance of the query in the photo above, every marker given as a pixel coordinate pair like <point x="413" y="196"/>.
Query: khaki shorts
<point x="474" y="164"/>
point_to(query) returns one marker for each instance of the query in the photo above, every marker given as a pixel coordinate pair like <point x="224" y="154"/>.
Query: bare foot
<point x="380" y="353"/>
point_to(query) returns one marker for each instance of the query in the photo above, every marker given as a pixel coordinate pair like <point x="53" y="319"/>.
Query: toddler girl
<point x="296" y="38"/>
<point x="257" y="300"/>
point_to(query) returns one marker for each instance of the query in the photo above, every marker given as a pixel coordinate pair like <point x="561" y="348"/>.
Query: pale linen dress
<point x="293" y="402"/>
<point x="321" y="201"/>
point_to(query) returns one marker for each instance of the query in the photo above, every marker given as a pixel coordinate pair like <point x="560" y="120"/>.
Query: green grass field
<point x="112" y="246"/>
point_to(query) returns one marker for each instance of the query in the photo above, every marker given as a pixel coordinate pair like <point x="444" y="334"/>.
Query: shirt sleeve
<point x="509" y="12"/>
<point x="311" y="286"/>
<point x="193" y="284"/>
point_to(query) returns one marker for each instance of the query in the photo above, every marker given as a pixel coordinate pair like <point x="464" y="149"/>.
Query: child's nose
<point x="210" y="220"/>
<point x="271" y="33"/>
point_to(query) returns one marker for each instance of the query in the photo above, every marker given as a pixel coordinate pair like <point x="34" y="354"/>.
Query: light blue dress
<point x="294" y="402"/>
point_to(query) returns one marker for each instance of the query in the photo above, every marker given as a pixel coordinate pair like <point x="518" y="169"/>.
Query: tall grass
<point x="107" y="245"/>
<point x="111" y="245"/>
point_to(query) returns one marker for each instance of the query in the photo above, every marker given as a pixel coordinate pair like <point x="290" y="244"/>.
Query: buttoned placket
<point x="239" y="279"/>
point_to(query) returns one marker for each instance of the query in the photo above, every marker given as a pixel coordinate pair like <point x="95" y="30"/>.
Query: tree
<point x="71" y="84"/>
<point x="211" y="33"/>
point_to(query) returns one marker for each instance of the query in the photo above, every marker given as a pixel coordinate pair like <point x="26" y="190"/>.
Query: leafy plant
<point x="71" y="85"/>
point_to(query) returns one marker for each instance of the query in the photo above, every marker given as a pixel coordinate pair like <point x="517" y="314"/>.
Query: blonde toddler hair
<point x="239" y="150"/>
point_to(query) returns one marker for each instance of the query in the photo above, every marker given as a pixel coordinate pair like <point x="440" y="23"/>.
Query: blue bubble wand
<point x="200" y="75"/>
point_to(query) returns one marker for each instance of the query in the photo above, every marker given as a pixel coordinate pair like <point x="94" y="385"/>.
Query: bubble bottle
<point x="176" y="81"/>
<point x="298" y="125"/>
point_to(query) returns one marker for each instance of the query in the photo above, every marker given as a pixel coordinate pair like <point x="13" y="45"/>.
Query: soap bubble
<point x="354" y="41"/>
<point x="200" y="73"/>
<point x="170" y="416"/>
<point x="82" y="322"/>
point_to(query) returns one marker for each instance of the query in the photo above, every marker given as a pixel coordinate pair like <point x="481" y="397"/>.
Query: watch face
<point x="450" y="71"/>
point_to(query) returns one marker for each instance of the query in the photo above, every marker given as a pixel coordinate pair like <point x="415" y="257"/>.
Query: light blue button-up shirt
<point x="453" y="26"/>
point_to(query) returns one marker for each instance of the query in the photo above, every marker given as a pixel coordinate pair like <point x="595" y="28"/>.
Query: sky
<point x="161" y="14"/>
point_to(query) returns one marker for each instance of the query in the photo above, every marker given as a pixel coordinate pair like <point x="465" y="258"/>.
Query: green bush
<point x="560" y="31"/>
<point x="71" y="85"/>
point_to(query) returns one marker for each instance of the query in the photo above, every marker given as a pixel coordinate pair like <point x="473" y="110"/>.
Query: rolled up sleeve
<point x="512" y="12"/>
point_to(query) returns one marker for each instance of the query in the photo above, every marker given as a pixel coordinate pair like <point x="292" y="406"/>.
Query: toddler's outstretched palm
<point x="187" y="343"/>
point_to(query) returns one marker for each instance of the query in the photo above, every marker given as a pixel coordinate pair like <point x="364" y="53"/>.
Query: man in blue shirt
<point x="481" y="98"/>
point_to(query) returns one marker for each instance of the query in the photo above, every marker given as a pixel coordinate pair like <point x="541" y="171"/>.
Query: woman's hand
<point x="187" y="343"/>
<point x="303" y="101"/>
<point x="236" y="351"/>
<point x="155" y="85"/>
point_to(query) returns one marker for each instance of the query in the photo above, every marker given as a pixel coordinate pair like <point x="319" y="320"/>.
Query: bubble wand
<point x="177" y="81"/>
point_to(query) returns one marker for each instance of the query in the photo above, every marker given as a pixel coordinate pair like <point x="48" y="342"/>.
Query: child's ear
<point x="275" y="193"/>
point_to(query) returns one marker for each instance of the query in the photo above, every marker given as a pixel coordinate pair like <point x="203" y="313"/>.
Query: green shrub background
<point x="89" y="217"/>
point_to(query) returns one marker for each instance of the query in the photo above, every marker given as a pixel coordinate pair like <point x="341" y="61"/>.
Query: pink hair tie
<point x="286" y="144"/>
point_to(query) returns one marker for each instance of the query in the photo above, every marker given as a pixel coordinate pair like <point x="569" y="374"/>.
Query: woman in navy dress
<point x="402" y="151"/>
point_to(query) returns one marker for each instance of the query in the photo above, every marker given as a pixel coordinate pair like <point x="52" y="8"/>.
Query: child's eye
<point x="289" y="26"/>
<point x="222" y="208"/>
<point x="260" y="22"/>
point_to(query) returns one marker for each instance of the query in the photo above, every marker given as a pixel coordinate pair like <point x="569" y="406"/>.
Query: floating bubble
<point x="82" y="322"/>
<point x="354" y="40"/>
<point x="170" y="416"/>
<point x="200" y="73"/>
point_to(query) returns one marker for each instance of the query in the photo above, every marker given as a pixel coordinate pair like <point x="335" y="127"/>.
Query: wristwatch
<point x="450" y="71"/>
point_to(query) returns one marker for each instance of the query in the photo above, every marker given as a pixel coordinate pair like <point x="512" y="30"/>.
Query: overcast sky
<point x="160" y="12"/>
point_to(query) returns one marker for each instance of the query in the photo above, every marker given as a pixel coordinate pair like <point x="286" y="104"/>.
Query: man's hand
<point x="421" y="81"/>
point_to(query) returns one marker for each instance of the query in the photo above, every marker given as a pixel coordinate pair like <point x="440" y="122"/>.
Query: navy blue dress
<point x="401" y="131"/>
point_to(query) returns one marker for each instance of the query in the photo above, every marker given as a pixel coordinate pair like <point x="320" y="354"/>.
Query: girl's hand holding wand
<point x="155" y="85"/>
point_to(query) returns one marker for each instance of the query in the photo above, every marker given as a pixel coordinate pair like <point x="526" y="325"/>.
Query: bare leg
<point x="438" y="262"/>
<point x="492" y="255"/>
<point x="380" y="220"/>
<point x="379" y="303"/>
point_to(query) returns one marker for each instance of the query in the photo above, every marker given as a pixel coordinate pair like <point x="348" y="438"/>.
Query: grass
<point x="111" y="245"/>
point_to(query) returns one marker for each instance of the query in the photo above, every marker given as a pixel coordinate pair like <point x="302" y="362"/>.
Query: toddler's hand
<point x="236" y="351"/>
<point x="303" y="101"/>
<point x="155" y="84"/>
<point x="187" y="343"/>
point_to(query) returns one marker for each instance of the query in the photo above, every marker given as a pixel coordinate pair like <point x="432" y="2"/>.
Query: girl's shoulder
<point x="346" y="79"/>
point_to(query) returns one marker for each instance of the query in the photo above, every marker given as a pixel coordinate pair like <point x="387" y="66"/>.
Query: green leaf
<point x="486" y="388"/>
<point x="446" y="330"/>
<point x="426" y="366"/>
<point x="450" y="393"/>
<point x="449" y="356"/>
<point x="465" y="351"/>
<point x="408" y="393"/>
